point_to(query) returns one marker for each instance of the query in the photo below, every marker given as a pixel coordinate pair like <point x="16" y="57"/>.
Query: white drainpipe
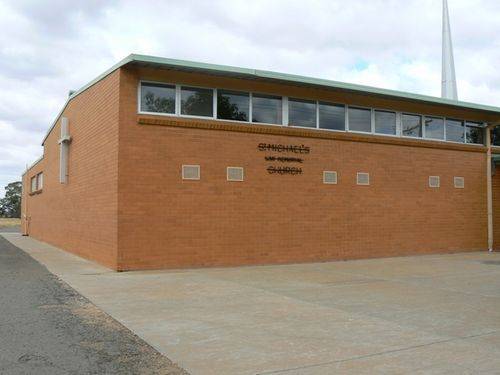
<point x="489" y="192"/>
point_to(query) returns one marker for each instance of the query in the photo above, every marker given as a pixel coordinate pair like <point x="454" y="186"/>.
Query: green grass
<point x="5" y="223"/>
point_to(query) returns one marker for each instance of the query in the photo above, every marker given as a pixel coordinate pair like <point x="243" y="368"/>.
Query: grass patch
<point x="7" y="223"/>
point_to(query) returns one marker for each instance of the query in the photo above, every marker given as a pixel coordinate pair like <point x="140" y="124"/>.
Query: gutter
<point x="28" y="168"/>
<point x="244" y="73"/>
<point x="121" y="63"/>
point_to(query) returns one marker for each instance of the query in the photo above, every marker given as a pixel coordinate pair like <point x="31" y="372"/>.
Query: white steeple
<point x="448" y="79"/>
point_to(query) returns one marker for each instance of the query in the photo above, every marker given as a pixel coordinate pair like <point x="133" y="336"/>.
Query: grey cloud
<point x="61" y="17"/>
<point x="24" y="67"/>
<point x="49" y="47"/>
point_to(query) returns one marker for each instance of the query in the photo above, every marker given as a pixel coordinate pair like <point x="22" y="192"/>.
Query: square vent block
<point x="434" y="181"/>
<point x="234" y="173"/>
<point x="190" y="172"/>
<point x="363" y="178"/>
<point x="459" y="182"/>
<point x="329" y="177"/>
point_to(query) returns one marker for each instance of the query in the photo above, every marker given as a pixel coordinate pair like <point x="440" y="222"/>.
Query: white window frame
<point x="285" y="114"/>
<point x="266" y="123"/>
<point x="318" y="102"/>
<point x="397" y="122"/>
<point x="305" y="100"/>
<point x="465" y="131"/>
<point x="39" y="181"/>
<point x="139" y="99"/>
<point x="421" y="124"/>
<point x="214" y="102"/>
<point x="444" y="130"/>
<point x="177" y="100"/>
<point x="33" y="188"/>
<point x="249" y="106"/>
<point x="372" y="125"/>
<point x="284" y="110"/>
<point x="481" y="126"/>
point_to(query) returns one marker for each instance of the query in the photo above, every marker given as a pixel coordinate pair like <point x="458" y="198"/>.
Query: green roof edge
<point x="118" y="65"/>
<point x="283" y="77"/>
<point x="311" y="81"/>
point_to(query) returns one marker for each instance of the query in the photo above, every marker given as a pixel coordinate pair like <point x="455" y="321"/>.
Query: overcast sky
<point x="48" y="48"/>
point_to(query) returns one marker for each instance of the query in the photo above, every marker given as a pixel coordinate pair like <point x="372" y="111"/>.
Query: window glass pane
<point x="233" y="105"/>
<point x="331" y="116"/>
<point x="360" y="120"/>
<point x="302" y="113"/>
<point x="495" y="136"/>
<point x="40" y="181"/>
<point x="33" y="183"/>
<point x="454" y="130"/>
<point x="156" y="97"/>
<point x="434" y="128"/>
<point x="385" y="122"/>
<point x="411" y="125"/>
<point x="474" y="133"/>
<point x="266" y="109"/>
<point x="197" y="102"/>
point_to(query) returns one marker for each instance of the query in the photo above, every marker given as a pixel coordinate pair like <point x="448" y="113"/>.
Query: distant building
<point x="162" y="163"/>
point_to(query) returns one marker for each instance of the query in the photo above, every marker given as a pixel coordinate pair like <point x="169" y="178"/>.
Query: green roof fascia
<point x="118" y="65"/>
<point x="264" y="74"/>
<point x="292" y="78"/>
<point x="32" y="165"/>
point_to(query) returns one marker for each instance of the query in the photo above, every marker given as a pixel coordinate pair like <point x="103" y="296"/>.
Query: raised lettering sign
<point x="282" y="170"/>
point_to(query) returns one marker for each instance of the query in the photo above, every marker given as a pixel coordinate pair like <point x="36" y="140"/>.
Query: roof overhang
<point x="255" y="74"/>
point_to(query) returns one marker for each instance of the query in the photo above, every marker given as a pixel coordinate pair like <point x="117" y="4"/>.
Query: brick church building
<point x="161" y="163"/>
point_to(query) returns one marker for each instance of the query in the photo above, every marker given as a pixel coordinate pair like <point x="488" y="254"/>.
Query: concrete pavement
<point x="424" y="314"/>
<point x="48" y="328"/>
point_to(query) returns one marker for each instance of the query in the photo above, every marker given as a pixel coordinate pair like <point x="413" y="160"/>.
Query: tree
<point x="228" y="110"/>
<point x="10" y="205"/>
<point x="153" y="103"/>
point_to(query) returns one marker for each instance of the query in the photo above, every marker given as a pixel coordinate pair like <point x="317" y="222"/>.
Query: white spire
<point x="448" y="79"/>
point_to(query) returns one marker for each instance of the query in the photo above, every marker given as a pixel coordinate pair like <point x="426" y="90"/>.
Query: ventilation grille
<point x="329" y="177"/>
<point x="434" y="181"/>
<point x="234" y="174"/>
<point x="459" y="182"/>
<point x="190" y="172"/>
<point x="363" y="178"/>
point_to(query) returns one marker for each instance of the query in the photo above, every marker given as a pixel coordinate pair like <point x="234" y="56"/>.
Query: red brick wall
<point x="167" y="222"/>
<point x="81" y="216"/>
<point x="126" y="206"/>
